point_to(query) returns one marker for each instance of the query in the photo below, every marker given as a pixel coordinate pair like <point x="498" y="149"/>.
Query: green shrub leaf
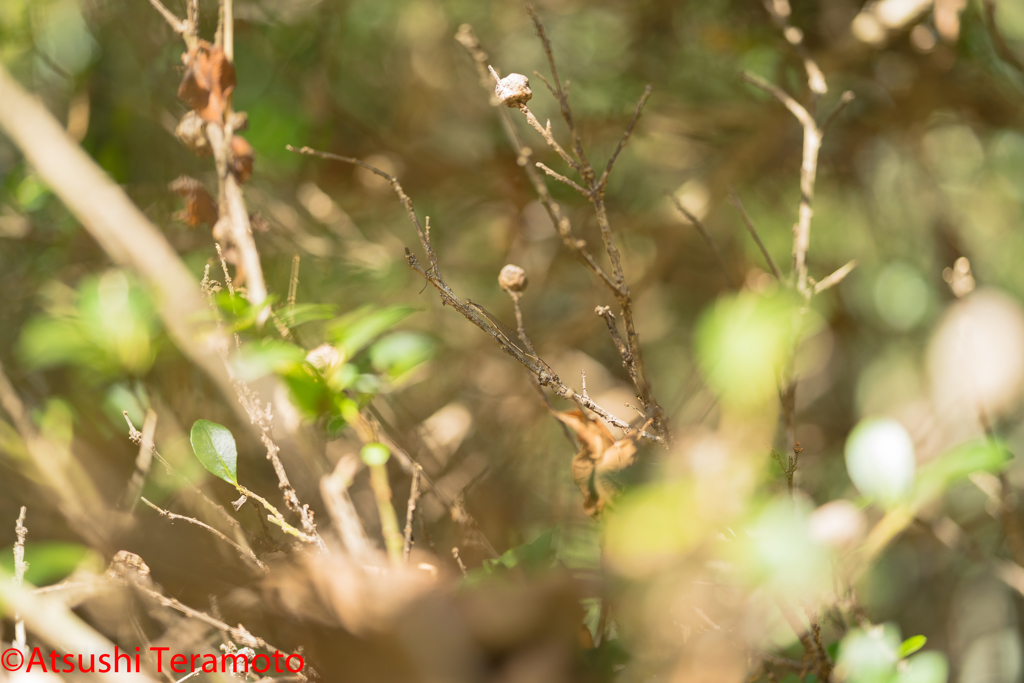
<point x="215" y="447"/>
<point x="912" y="645"/>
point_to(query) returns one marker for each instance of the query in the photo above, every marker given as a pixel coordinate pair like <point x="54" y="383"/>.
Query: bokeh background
<point x="924" y="167"/>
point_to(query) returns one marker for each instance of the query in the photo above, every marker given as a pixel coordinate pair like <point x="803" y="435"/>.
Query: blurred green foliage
<point x="926" y="166"/>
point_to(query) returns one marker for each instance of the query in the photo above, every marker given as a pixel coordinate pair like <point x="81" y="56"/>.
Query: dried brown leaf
<point x="199" y="205"/>
<point x="242" y="158"/>
<point x="600" y="456"/>
<point x="208" y="81"/>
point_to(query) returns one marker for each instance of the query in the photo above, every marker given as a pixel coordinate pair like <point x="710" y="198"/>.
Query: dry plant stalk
<point x="20" y="567"/>
<point x="473" y="312"/>
<point x="593" y="189"/>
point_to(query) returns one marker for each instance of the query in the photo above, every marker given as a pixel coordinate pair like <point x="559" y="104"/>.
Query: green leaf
<point x="297" y="314"/>
<point x="49" y="561"/>
<point x="398" y="353"/>
<point x="242" y="313"/>
<point x="258" y="359"/>
<point x="353" y="331"/>
<point x="309" y="391"/>
<point x="926" y="667"/>
<point x="375" y="454"/>
<point x="215" y="447"/>
<point x="956" y="464"/>
<point x="912" y="645"/>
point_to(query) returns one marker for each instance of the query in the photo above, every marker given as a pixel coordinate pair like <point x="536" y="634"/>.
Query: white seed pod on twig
<point x="513" y="90"/>
<point x="513" y="278"/>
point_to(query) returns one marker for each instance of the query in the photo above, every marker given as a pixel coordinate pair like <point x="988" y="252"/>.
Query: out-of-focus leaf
<point x="650" y="528"/>
<point x="912" y="645"/>
<point x="215" y="447"/>
<point x="242" y="314"/>
<point x="926" y="667"/>
<point x="309" y="391"/>
<point x="109" y="329"/>
<point x="743" y="342"/>
<point x="260" y="358"/>
<point x="355" y="330"/>
<point x="533" y="557"/>
<point x="880" y="459"/>
<point x="297" y="314"/>
<point x="869" y="655"/>
<point x="954" y="465"/>
<point x="396" y="354"/>
<point x="49" y="561"/>
<point x="375" y="454"/>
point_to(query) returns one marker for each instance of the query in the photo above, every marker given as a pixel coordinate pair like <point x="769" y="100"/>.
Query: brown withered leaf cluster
<point x="600" y="456"/>
<point x="208" y="81"/>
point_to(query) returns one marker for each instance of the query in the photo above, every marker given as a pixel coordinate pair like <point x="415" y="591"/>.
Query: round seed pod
<point x="513" y="278"/>
<point x="513" y="90"/>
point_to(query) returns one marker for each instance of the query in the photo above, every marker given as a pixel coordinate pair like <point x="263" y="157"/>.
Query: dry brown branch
<point x="232" y="205"/>
<point x="563" y="99"/>
<point x="293" y="281"/>
<point x="410" y="511"/>
<point x="808" y="174"/>
<point x="179" y="25"/>
<point x="735" y="199"/>
<point x="835" y="278"/>
<point x="702" y="229"/>
<point x="20" y="567"/>
<point x="779" y="11"/>
<point x="595" y="189"/>
<point x="474" y="313"/>
<point x="239" y="634"/>
<point x="549" y="138"/>
<point x="603" y="181"/>
<point x="562" y="225"/>
<point x="561" y="178"/>
<point x="810" y="638"/>
<point x="143" y="461"/>
<point x="55" y="624"/>
<point x="246" y="553"/>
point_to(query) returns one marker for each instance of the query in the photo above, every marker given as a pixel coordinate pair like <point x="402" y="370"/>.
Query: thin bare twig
<point x="410" y="511"/>
<point x="697" y="223"/>
<point x="179" y="25"/>
<point x="561" y="178"/>
<point x="549" y="138"/>
<point x="142" y="463"/>
<point x="472" y="312"/>
<point x="462" y="567"/>
<point x="603" y="181"/>
<point x="293" y="281"/>
<point x="835" y="278"/>
<point x="246" y="553"/>
<point x="136" y="437"/>
<point x="20" y="567"/>
<point x="844" y="101"/>
<point x="735" y="199"/>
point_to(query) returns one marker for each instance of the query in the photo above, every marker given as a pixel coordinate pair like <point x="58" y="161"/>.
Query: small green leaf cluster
<point x="333" y="365"/>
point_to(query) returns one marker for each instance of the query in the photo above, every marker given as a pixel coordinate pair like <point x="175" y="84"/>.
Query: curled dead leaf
<point x="242" y="158"/>
<point x="199" y="205"/>
<point x="190" y="133"/>
<point x="600" y="456"/>
<point x="208" y="81"/>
